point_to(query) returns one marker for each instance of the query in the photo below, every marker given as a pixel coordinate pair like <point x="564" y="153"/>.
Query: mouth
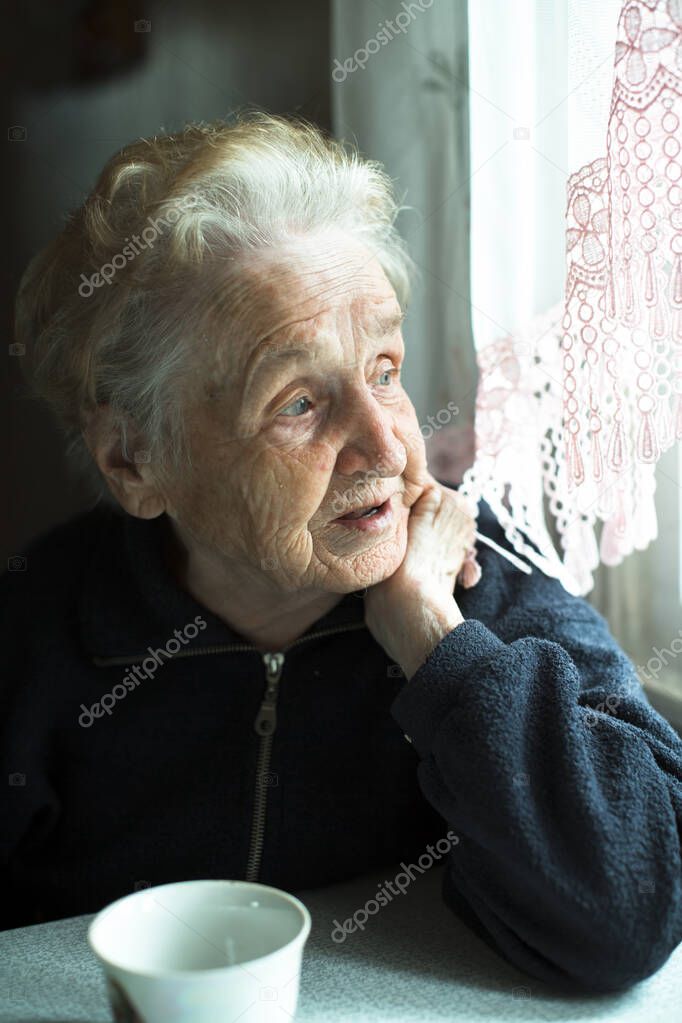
<point x="369" y="517"/>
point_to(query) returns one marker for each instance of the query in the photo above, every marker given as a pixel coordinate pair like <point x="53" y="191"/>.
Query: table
<point x="414" y="961"/>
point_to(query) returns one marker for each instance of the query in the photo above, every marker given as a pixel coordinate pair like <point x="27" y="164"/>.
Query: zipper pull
<point x="266" y="719"/>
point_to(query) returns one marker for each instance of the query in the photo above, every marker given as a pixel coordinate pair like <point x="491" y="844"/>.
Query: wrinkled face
<point x="298" y="414"/>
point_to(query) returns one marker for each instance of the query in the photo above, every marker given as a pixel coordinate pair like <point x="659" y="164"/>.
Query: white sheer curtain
<point x="482" y="111"/>
<point x="399" y="90"/>
<point x="541" y="74"/>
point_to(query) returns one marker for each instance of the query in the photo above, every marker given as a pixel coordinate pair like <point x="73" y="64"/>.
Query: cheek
<point x="205" y="502"/>
<point x="326" y="460"/>
<point x="280" y="487"/>
<point x="407" y="426"/>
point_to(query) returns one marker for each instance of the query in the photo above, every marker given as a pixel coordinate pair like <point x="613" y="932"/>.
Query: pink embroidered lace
<point x="590" y="393"/>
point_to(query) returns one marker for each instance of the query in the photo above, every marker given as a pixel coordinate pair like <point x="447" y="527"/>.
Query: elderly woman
<point x="261" y="653"/>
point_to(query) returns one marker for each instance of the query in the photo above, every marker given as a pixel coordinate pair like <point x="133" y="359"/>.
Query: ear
<point x="133" y="483"/>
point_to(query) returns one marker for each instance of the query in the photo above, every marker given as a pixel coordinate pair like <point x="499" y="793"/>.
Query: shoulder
<point x="51" y="567"/>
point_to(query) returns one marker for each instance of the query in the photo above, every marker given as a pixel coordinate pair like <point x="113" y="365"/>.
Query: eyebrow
<point x="383" y="326"/>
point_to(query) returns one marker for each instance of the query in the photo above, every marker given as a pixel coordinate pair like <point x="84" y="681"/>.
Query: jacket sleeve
<point x="538" y="746"/>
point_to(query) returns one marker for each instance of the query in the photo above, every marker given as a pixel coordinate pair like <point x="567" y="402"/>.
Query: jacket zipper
<point x="264" y="724"/>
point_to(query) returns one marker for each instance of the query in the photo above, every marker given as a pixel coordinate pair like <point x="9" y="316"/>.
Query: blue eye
<point x="392" y="374"/>
<point x="285" y="412"/>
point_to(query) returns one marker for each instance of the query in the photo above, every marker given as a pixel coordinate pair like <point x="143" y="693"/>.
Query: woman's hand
<point x="411" y="611"/>
<point x="441" y="530"/>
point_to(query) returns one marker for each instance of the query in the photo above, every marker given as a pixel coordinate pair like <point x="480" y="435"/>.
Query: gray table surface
<point x="414" y="961"/>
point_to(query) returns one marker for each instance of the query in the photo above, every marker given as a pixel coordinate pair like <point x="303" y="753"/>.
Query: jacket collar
<point x="130" y="599"/>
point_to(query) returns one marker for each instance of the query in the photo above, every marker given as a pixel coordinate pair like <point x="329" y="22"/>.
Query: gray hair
<point x="112" y="310"/>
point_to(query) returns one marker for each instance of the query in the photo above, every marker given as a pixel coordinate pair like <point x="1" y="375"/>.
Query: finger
<point x="470" y="573"/>
<point x="469" y="505"/>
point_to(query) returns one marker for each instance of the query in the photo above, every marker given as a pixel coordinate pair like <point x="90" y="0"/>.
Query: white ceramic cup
<point x="202" y="951"/>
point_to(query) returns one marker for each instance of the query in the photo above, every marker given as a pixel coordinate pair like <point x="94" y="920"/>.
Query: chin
<point x="371" y="569"/>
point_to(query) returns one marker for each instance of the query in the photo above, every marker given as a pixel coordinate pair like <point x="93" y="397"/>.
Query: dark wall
<point x="85" y="79"/>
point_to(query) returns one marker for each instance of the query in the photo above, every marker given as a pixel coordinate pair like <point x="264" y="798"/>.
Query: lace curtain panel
<point x="539" y="143"/>
<point x="584" y="381"/>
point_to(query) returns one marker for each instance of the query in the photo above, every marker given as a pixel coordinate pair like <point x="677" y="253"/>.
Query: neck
<point x="265" y="617"/>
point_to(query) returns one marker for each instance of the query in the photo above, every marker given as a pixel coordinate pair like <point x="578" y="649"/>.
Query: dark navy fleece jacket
<point x="529" y="738"/>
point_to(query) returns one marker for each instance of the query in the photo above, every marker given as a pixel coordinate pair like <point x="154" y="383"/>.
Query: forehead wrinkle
<point x="326" y="294"/>
<point x="384" y="327"/>
<point x="326" y="283"/>
<point x="264" y="350"/>
<point x="381" y="326"/>
<point x="266" y="282"/>
<point x="332" y="270"/>
<point x="334" y="273"/>
<point x="340" y="268"/>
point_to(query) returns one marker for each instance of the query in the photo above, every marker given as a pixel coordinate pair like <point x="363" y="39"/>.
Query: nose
<point x="371" y="442"/>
